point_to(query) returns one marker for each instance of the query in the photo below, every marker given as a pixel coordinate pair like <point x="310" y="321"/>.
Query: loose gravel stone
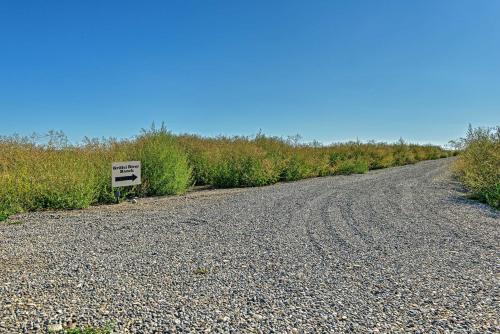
<point x="391" y="251"/>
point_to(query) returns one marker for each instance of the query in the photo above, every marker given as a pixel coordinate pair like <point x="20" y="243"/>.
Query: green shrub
<point x="102" y="153"/>
<point x="164" y="165"/>
<point x="351" y="166"/>
<point x="478" y="165"/>
<point x="34" y="178"/>
<point x="295" y="168"/>
<point x="243" y="166"/>
<point x="403" y="154"/>
<point x="337" y="157"/>
<point x="66" y="181"/>
<point x="9" y="197"/>
<point x="378" y="159"/>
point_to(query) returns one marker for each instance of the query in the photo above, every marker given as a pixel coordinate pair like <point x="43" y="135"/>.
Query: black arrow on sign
<point x="126" y="178"/>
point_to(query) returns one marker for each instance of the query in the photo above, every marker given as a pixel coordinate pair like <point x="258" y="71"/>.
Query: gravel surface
<point x="395" y="250"/>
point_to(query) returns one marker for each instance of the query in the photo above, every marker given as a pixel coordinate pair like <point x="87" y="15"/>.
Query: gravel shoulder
<point x="395" y="250"/>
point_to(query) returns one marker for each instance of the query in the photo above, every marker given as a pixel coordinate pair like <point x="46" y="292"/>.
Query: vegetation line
<point x="478" y="166"/>
<point x="57" y="175"/>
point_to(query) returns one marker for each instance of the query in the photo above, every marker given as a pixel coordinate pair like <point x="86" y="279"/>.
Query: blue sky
<point x="328" y="70"/>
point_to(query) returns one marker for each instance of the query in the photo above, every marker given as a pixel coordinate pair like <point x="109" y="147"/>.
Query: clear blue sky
<point x="328" y="70"/>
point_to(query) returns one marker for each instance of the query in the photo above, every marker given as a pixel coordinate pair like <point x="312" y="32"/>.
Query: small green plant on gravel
<point x="87" y="330"/>
<point x="14" y="222"/>
<point x="201" y="271"/>
<point x="108" y="329"/>
<point x="478" y="165"/>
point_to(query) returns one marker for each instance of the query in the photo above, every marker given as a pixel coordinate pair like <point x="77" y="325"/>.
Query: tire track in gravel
<point x="339" y="210"/>
<point x="335" y="229"/>
<point x="353" y="234"/>
<point x="418" y="195"/>
<point x="345" y="232"/>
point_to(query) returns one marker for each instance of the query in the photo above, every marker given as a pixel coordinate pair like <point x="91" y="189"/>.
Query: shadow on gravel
<point x="461" y="196"/>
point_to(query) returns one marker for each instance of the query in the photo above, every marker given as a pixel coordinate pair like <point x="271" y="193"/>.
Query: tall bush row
<point x="56" y="175"/>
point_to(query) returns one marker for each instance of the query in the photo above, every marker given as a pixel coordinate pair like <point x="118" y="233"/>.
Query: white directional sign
<point x="126" y="173"/>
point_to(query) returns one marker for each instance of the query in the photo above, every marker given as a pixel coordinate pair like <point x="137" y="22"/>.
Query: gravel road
<point x="391" y="251"/>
